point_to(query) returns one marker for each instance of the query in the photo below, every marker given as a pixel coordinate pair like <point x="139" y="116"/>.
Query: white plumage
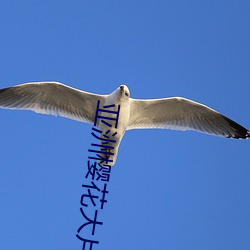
<point x="168" y="113"/>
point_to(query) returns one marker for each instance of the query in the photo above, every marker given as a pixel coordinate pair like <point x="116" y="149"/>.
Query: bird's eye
<point x="126" y="93"/>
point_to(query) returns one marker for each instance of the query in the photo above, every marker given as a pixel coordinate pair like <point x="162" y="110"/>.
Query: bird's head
<point x="121" y="94"/>
<point x="124" y="91"/>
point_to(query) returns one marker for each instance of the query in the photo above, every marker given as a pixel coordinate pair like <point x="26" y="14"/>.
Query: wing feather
<point x="182" y="114"/>
<point x="52" y="98"/>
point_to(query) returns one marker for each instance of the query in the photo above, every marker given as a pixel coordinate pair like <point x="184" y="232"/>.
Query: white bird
<point x="167" y="113"/>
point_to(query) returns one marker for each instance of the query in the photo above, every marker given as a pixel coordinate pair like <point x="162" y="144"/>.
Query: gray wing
<point x="52" y="98"/>
<point x="182" y="114"/>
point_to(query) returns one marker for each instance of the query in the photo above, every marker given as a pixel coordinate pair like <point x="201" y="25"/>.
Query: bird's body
<point x="167" y="113"/>
<point x="124" y="114"/>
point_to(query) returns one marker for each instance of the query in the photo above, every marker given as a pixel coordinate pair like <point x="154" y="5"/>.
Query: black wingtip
<point x="3" y="90"/>
<point x="239" y="131"/>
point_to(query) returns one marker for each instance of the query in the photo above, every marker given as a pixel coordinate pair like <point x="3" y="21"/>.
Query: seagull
<point x="176" y="113"/>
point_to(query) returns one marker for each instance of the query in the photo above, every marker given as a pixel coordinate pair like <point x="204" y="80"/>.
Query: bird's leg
<point x="108" y="155"/>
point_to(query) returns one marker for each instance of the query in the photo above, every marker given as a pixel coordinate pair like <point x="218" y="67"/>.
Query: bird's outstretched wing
<point x="52" y="98"/>
<point x="182" y="114"/>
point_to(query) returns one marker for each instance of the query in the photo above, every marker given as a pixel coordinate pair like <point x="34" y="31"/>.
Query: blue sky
<point x="169" y="189"/>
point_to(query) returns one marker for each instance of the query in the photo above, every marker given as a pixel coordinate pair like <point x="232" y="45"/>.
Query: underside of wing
<point x="182" y="114"/>
<point x="51" y="98"/>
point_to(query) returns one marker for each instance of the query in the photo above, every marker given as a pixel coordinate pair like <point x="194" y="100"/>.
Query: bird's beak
<point x="122" y="88"/>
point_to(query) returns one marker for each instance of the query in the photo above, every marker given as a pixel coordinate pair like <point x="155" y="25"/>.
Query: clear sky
<point x="169" y="189"/>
